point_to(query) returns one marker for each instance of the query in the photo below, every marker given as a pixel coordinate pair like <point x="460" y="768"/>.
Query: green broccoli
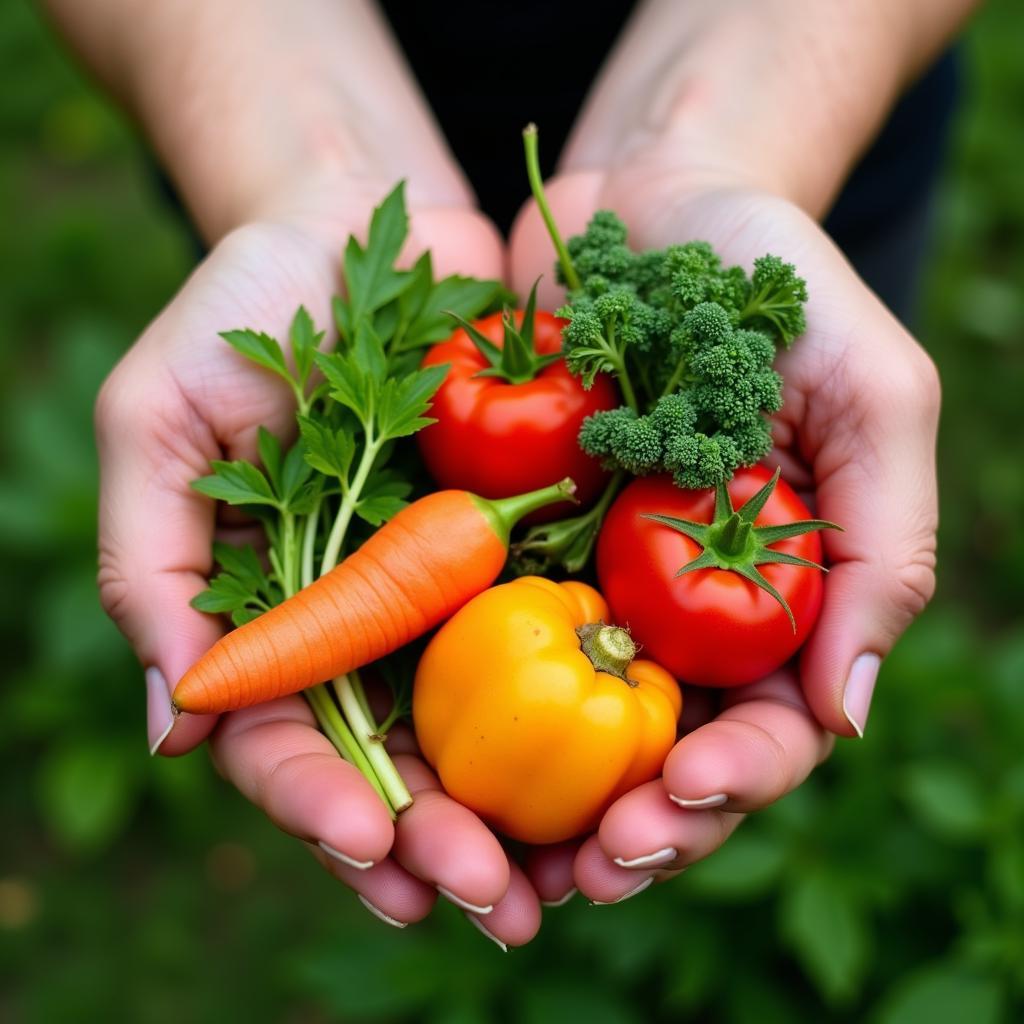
<point x="691" y="343"/>
<point x="776" y="299"/>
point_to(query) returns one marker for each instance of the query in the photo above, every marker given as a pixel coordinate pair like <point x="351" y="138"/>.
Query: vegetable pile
<point x="528" y="701"/>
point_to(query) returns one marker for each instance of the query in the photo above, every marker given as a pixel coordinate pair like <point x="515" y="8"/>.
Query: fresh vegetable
<point x="720" y="597"/>
<point x="340" y="479"/>
<point x="509" y="411"/>
<point x="535" y="714"/>
<point x="413" y="573"/>
<point x="690" y="343"/>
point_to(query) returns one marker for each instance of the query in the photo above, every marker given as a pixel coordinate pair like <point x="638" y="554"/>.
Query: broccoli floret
<point x="691" y="343"/>
<point x="776" y="300"/>
<point x="601" y="434"/>
<point x="600" y="250"/>
<point x="708" y="323"/>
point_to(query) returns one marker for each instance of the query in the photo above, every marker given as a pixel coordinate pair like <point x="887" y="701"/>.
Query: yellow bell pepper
<point x="534" y="713"/>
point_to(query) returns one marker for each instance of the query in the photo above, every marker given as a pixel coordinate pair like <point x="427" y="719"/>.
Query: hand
<point x="858" y="428"/>
<point x="278" y="758"/>
<point x="182" y="396"/>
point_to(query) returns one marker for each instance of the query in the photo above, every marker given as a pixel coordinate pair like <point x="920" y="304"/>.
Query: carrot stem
<point x="398" y="796"/>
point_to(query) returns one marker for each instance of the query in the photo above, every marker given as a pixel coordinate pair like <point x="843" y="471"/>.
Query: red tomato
<point x="711" y="626"/>
<point x="497" y="439"/>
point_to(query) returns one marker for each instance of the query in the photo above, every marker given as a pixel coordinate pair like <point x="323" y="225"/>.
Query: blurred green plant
<point x="888" y="889"/>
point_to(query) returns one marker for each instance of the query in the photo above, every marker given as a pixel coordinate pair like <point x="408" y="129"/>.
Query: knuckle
<point x="912" y="388"/>
<point x="914" y="584"/>
<point x="115" y="591"/>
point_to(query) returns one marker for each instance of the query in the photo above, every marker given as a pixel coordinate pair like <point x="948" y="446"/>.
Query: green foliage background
<point x="889" y="889"/>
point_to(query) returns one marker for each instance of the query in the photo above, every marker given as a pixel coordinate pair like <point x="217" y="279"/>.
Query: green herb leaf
<point x="370" y="277"/>
<point x="380" y="508"/>
<point x="326" y="450"/>
<point x="349" y="384"/>
<point x="402" y="403"/>
<point x="261" y="349"/>
<point x="368" y="352"/>
<point x="270" y="455"/>
<point x="226" y="593"/>
<point x="464" y="296"/>
<point x="295" y="471"/>
<point x="243" y="563"/>
<point x="305" y="341"/>
<point x="237" y="483"/>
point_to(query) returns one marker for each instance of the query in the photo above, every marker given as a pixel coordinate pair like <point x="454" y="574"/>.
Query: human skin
<point x="211" y="82"/>
<point x="808" y="85"/>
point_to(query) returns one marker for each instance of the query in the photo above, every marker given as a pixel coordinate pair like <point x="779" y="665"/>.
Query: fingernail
<point x="462" y="904"/>
<point x="715" y="800"/>
<point x="650" y="860"/>
<point x="859" y="687"/>
<point x="159" y="713"/>
<point x="379" y="914"/>
<point x="480" y="928"/>
<point x="625" y="896"/>
<point x="562" y="902"/>
<point x="362" y="865"/>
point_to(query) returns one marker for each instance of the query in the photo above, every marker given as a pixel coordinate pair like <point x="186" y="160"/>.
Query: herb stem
<point x="350" y="496"/>
<point x="309" y="543"/>
<point x="572" y="279"/>
<point x="366" y="735"/>
<point x="340" y="734"/>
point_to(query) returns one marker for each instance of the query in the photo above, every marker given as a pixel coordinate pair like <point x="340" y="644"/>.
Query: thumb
<point x="155" y="536"/>
<point x="876" y="478"/>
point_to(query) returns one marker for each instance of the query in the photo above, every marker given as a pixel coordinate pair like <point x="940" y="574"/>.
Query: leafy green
<point x="354" y="404"/>
<point x="691" y="343"/>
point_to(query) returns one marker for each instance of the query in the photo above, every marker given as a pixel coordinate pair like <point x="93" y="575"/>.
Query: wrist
<point x="254" y="107"/>
<point x="784" y="97"/>
<point x="778" y="96"/>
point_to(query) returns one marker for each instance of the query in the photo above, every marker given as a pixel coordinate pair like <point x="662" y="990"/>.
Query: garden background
<point x="888" y="889"/>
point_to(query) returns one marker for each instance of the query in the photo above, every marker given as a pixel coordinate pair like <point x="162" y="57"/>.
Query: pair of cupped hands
<point x="856" y="434"/>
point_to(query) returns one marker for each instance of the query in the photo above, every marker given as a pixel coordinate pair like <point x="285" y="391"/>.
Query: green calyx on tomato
<point x="732" y="542"/>
<point x="517" y="359"/>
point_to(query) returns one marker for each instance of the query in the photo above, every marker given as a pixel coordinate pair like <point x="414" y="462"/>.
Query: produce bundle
<point x="643" y="401"/>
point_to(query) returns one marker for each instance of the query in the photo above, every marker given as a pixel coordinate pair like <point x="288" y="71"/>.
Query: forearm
<point x="778" y="94"/>
<point x="244" y="100"/>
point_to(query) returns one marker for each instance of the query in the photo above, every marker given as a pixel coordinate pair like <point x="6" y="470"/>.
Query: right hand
<point x="181" y="397"/>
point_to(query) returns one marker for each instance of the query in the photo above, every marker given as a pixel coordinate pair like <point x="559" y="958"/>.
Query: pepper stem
<point x="609" y="648"/>
<point x="504" y="513"/>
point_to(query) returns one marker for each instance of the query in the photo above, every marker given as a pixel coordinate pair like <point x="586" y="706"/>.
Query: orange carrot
<point x="413" y="573"/>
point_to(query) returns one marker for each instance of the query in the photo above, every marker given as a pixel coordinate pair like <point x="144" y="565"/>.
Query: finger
<point x="447" y="845"/>
<point x="762" y="745"/>
<point x="387" y="890"/>
<point x="461" y="241"/>
<point x="549" y="869"/>
<point x="274" y="754"/>
<point x="515" y="918"/>
<point x="649" y="834"/>
<point x="155" y="536"/>
<point x="875" y="476"/>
